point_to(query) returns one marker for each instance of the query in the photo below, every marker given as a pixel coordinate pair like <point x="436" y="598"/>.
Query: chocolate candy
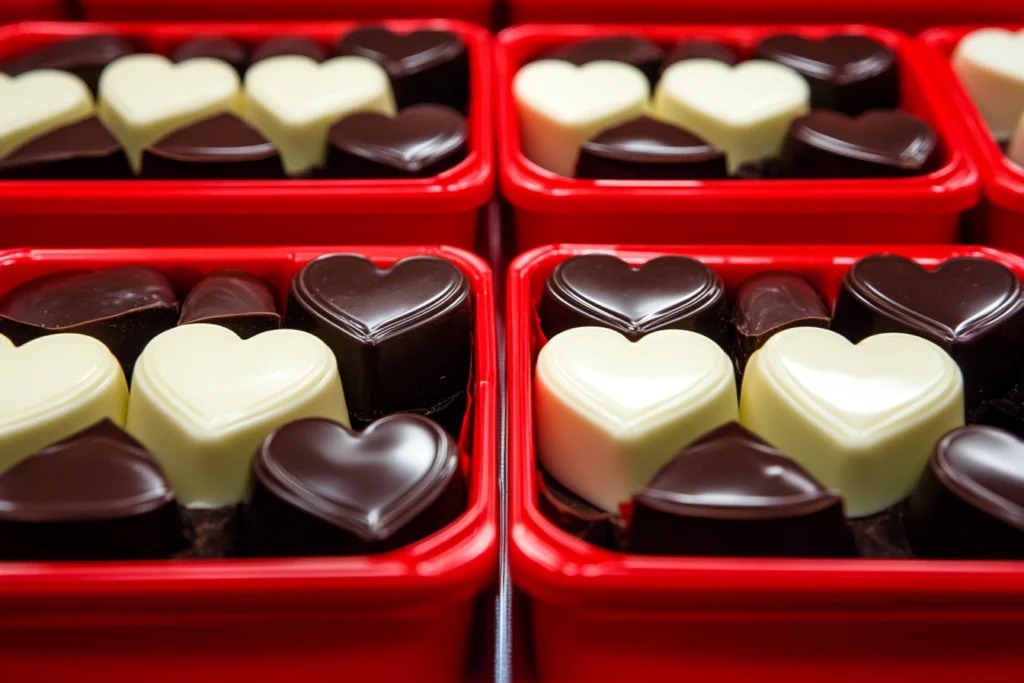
<point x="971" y="307"/>
<point x="424" y="66"/>
<point x="80" y="151"/>
<point x="419" y="142"/>
<point x="701" y="49"/>
<point x="288" y="45"/>
<point x="233" y="299"/>
<point x="86" y="57"/>
<point x="851" y="74"/>
<point x="122" y="307"/>
<point x="217" y="148"/>
<point x="639" y="52"/>
<point x="319" y="489"/>
<point x="985" y="62"/>
<point x="648" y="149"/>
<point x="97" y="495"/>
<point x="1006" y="413"/>
<point x="879" y="144"/>
<point x="669" y="292"/>
<point x="402" y="336"/>
<point x="770" y="302"/>
<point x="214" y="47"/>
<point x="577" y="516"/>
<point x="730" y="493"/>
<point x="970" y="501"/>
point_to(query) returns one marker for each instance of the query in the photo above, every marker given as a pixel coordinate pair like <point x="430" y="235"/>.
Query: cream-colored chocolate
<point x="35" y="103"/>
<point x="52" y="387"/>
<point x="862" y="419"/>
<point x="610" y="412"/>
<point x="990" y="64"/>
<point x="203" y="400"/>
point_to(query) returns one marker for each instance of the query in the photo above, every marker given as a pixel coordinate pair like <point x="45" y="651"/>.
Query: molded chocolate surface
<point x="576" y="516"/>
<point x="85" y="57"/>
<point x="233" y="299"/>
<point x="634" y="50"/>
<point x="81" y="151"/>
<point x="219" y="148"/>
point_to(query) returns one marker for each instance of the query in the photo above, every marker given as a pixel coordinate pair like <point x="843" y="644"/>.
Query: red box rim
<point x="467" y="186"/>
<point x="553" y="565"/>
<point x="1003" y="180"/>
<point x="455" y="562"/>
<point x="952" y="188"/>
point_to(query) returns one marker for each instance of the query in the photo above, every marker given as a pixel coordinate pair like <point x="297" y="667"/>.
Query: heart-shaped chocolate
<point x="972" y="307"/>
<point x="731" y="493"/>
<point x="288" y="45"/>
<point x="970" y="501"/>
<point x="37" y="103"/>
<point x="424" y="66"/>
<point x="214" y="47"/>
<point x="648" y="149"/>
<point x="701" y="49"/>
<point x="640" y="52"/>
<point x="402" y="335"/>
<point x="669" y="292"/>
<point x="879" y="144"/>
<point x="233" y="299"/>
<point x="97" y="495"/>
<point x="85" y="57"/>
<point x="222" y="147"/>
<point x="80" y="151"/>
<point x="321" y="489"/>
<point x="990" y="64"/>
<point x="848" y="73"/>
<point x="419" y="142"/>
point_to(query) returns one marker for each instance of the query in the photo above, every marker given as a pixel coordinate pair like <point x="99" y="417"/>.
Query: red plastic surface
<point x="399" y="616"/>
<point x="906" y="15"/>
<point x="604" y="616"/>
<point x="1000" y="222"/>
<point x="31" y="10"/>
<point x="552" y="209"/>
<point x="439" y="210"/>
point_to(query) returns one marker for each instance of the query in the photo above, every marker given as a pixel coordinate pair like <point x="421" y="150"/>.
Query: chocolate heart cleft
<point x="233" y="299"/>
<point x="220" y="147"/>
<point x="80" y="151"/>
<point x="636" y="51"/>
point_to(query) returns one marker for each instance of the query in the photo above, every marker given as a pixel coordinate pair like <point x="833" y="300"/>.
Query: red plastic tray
<point x="31" y="10"/>
<point x="399" y="616"/>
<point x="604" y="616"/>
<point x="551" y="209"/>
<point x="907" y="15"/>
<point x="1000" y="222"/>
<point x="440" y="210"/>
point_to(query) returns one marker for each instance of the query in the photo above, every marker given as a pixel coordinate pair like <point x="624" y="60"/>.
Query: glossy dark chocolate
<point x="731" y="494"/>
<point x="648" y="149"/>
<point x="219" y="148"/>
<point x="288" y="45"/>
<point x="97" y="495"/>
<point x="879" y="144"/>
<point x="80" y="151"/>
<point x="233" y="299"/>
<point x="318" y="488"/>
<point x="85" y="57"/>
<point x="847" y="73"/>
<point x="971" y="307"/>
<point x="214" y="47"/>
<point x="420" y="142"/>
<point x="576" y="516"/>
<point x="970" y="501"/>
<point x="122" y="307"/>
<point x="701" y="49"/>
<point x="666" y="293"/>
<point x="634" y="50"/>
<point x="402" y="335"/>
<point x="768" y="303"/>
<point x="424" y="66"/>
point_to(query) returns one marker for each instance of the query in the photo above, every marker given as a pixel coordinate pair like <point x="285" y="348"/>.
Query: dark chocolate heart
<point x="220" y="147"/>
<point x="648" y="149"/>
<point x="424" y="66"/>
<point x="348" y="492"/>
<point x="879" y="144"/>
<point x="634" y="50"/>
<point x="85" y="57"/>
<point x="288" y="45"/>
<point x="420" y="142"/>
<point x="669" y="292"/>
<point x="214" y="47"/>
<point x="233" y="299"/>
<point x="731" y="493"/>
<point x="848" y="73"/>
<point x="80" y="151"/>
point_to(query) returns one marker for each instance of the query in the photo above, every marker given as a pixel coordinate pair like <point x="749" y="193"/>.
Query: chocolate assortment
<point x="215" y="110"/>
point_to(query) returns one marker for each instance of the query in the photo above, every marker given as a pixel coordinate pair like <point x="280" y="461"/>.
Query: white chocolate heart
<point x="38" y="102"/>
<point x="203" y="400"/>
<point x="611" y="412"/>
<point x="862" y="419"/>
<point x="745" y="109"/>
<point x="53" y="387"/>
<point x="294" y="101"/>
<point x="990" y="64"/>
<point x="144" y="97"/>
<point x="562" y="105"/>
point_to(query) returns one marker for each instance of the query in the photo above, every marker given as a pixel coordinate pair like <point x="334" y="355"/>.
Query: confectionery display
<point x="217" y="108"/>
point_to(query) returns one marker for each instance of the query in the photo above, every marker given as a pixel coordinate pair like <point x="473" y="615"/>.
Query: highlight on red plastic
<point x="599" y="615"/>
<point x="439" y="210"/>
<point x="1001" y="221"/>
<point x="405" y="615"/>
<point x="553" y="209"/>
